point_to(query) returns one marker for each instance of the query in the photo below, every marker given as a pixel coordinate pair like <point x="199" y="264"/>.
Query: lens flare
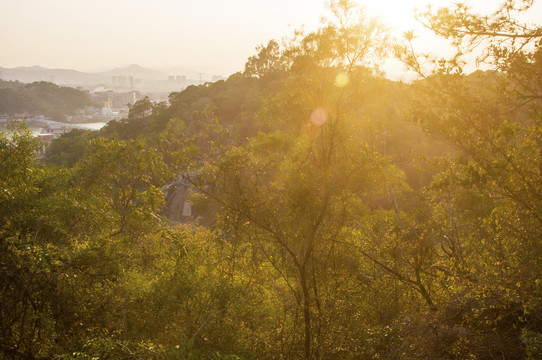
<point x="341" y="80"/>
<point x="318" y="116"/>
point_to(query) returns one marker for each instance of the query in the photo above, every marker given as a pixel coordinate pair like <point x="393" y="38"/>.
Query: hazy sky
<point x="208" y="35"/>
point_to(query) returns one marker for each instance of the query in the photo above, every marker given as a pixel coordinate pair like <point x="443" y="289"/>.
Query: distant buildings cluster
<point x="114" y="100"/>
<point x="180" y="79"/>
<point x="51" y="132"/>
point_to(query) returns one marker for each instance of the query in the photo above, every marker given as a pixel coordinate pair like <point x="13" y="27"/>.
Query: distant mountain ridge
<point x="72" y="77"/>
<point x="38" y="73"/>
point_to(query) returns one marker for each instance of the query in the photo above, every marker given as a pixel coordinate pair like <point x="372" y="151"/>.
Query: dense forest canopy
<point x="337" y="214"/>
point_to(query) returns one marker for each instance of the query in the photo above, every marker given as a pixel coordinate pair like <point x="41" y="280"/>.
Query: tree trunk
<point x="306" y="312"/>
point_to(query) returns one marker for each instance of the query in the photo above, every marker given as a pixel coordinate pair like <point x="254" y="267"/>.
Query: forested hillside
<point x="337" y="214"/>
<point x="41" y="98"/>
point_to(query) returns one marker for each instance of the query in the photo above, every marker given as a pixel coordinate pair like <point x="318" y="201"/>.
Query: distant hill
<point x="137" y="72"/>
<point x="41" y="98"/>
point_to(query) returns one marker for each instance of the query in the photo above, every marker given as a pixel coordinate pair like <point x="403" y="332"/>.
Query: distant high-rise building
<point x="135" y="96"/>
<point x="122" y="81"/>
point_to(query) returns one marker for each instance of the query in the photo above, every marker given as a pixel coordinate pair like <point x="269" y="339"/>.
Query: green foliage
<point x="533" y="344"/>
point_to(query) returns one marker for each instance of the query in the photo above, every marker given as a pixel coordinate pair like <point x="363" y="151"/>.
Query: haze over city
<point x="209" y="36"/>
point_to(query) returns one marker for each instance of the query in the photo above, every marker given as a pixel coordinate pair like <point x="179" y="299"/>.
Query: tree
<point x="291" y="196"/>
<point x="487" y="198"/>
<point x="266" y="62"/>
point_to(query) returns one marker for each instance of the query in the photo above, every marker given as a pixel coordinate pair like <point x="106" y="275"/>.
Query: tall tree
<point x="291" y="194"/>
<point x="487" y="198"/>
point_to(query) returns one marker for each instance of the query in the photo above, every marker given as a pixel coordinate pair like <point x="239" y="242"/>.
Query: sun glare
<point x="341" y="80"/>
<point x="399" y="15"/>
<point x="318" y="116"/>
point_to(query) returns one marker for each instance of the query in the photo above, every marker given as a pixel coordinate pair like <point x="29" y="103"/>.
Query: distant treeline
<point x="41" y="98"/>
